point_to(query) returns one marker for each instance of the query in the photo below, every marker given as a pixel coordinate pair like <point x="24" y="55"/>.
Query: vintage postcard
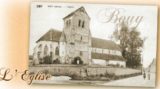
<point x="93" y="44"/>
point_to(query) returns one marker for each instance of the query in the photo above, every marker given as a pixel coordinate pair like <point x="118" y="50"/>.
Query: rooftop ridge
<point x="76" y="11"/>
<point x="102" y="39"/>
<point x="53" y="29"/>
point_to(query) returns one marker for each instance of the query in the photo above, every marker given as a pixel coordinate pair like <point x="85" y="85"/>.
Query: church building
<point x="75" y="44"/>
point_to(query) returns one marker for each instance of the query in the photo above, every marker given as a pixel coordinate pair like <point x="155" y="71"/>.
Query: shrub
<point x="110" y="75"/>
<point x="40" y="61"/>
<point x="45" y="71"/>
<point x="57" y="61"/>
<point x="75" y="77"/>
<point x="101" y="75"/>
<point x="47" y="60"/>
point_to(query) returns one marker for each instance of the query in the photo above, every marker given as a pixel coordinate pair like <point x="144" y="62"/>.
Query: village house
<point x="75" y="44"/>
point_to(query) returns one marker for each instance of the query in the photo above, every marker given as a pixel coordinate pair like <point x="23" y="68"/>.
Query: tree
<point x="130" y="43"/>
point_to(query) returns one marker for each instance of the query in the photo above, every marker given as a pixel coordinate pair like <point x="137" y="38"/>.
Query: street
<point x="137" y="81"/>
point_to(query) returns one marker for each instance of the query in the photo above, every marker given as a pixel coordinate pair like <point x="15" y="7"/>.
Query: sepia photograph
<point x="93" y="44"/>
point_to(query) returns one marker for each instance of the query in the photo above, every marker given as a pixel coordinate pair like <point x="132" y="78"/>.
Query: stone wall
<point x="83" y="71"/>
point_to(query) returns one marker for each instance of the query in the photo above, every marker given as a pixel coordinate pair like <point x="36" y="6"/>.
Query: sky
<point x="50" y="15"/>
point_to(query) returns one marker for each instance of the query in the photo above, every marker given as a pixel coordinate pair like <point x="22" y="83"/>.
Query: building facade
<point x="75" y="44"/>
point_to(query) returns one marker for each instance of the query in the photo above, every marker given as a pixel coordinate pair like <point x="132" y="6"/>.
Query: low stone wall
<point x="79" y="71"/>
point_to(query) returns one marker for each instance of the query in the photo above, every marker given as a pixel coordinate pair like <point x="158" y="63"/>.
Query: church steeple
<point x="78" y="36"/>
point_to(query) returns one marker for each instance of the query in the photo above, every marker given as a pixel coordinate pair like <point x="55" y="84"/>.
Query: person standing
<point x="148" y="74"/>
<point x="144" y="75"/>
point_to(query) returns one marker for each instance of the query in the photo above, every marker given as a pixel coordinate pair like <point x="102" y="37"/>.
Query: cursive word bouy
<point x="6" y="75"/>
<point x="117" y="16"/>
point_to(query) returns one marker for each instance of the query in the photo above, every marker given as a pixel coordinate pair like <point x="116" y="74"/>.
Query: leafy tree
<point x="130" y="43"/>
<point x="57" y="61"/>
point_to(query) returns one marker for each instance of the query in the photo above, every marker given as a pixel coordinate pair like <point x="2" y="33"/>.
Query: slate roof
<point x="55" y="35"/>
<point x="106" y="56"/>
<point x="51" y="35"/>
<point x="105" y="44"/>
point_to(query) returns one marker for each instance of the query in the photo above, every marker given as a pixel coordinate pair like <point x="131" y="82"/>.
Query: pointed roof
<point x="105" y="44"/>
<point x="51" y="35"/>
<point x="79" y="9"/>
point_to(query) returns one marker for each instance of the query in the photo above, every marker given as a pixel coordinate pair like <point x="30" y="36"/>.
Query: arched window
<point x="66" y="23"/>
<point x="38" y="54"/>
<point x="45" y="50"/>
<point x="79" y="23"/>
<point x="69" y="22"/>
<point x="57" y="51"/>
<point x="51" y="54"/>
<point x="81" y="38"/>
<point x="83" y="24"/>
